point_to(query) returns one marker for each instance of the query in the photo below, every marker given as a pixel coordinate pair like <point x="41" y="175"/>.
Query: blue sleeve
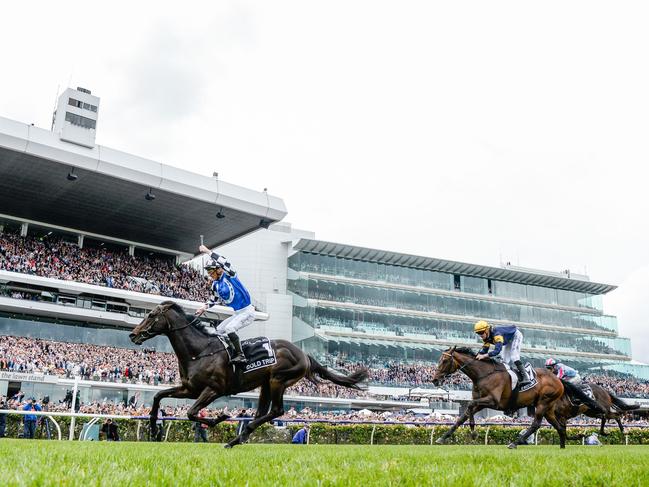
<point x="498" y="346"/>
<point x="484" y="349"/>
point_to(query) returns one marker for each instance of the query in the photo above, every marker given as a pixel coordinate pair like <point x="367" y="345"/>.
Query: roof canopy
<point x="108" y="195"/>
<point x="451" y="267"/>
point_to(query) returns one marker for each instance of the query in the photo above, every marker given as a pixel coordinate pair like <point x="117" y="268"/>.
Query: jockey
<point x="563" y="372"/>
<point x="229" y="291"/>
<point x="505" y="338"/>
<point x="574" y="385"/>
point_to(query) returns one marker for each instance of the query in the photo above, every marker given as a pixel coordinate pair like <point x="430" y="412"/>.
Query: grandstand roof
<point x="108" y="196"/>
<point x="536" y="278"/>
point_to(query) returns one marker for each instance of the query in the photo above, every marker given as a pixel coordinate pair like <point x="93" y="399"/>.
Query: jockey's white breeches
<point x="240" y="318"/>
<point x="512" y="351"/>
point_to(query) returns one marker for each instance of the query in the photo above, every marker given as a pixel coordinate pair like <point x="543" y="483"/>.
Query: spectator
<point x="3" y="416"/>
<point x="200" y="429"/>
<point x="110" y="430"/>
<point x="30" y="420"/>
<point x="302" y="436"/>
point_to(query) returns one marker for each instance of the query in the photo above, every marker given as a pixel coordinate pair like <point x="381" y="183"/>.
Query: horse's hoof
<point x="440" y="441"/>
<point x="512" y="446"/>
<point x="227" y="445"/>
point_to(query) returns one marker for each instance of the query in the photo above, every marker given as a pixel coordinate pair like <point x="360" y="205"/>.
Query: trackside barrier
<point x="96" y="417"/>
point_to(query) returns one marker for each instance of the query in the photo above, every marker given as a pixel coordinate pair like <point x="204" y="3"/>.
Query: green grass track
<point x="38" y="462"/>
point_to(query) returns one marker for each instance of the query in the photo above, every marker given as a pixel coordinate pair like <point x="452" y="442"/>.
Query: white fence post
<point x="372" y="435"/>
<point x="486" y="435"/>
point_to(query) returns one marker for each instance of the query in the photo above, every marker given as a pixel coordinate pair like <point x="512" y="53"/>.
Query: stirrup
<point x="238" y="359"/>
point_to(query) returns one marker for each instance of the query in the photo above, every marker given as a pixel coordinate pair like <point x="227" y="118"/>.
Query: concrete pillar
<point x="179" y="259"/>
<point x="23" y="229"/>
<point x="80" y="241"/>
<point x="131" y="250"/>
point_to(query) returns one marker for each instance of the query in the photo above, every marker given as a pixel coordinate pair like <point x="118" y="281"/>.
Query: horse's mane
<point x="463" y="350"/>
<point x="471" y="352"/>
<point x="173" y="305"/>
<point x="178" y="309"/>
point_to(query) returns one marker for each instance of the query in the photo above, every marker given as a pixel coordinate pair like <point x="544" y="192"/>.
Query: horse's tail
<point x="352" y="380"/>
<point x="621" y="405"/>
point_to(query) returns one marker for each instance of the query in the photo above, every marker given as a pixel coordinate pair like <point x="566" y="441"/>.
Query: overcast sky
<point x="475" y="131"/>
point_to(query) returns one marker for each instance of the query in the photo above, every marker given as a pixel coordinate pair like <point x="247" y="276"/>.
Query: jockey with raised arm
<point x="506" y="339"/>
<point x="229" y="291"/>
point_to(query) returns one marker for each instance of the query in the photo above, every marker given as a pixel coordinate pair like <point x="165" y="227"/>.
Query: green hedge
<point x="353" y="434"/>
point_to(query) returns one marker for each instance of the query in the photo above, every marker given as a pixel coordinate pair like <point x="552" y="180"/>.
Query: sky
<point x="482" y="132"/>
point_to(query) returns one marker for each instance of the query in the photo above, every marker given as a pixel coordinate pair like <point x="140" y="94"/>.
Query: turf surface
<point x="135" y="464"/>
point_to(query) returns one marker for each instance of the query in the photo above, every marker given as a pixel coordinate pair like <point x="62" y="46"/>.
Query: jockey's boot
<point x="525" y="380"/>
<point x="239" y="358"/>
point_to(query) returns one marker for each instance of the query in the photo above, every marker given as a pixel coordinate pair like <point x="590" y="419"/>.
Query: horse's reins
<point x="188" y="324"/>
<point x="459" y="369"/>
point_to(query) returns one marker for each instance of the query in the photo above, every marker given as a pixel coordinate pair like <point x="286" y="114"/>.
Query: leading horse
<point x="492" y="389"/>
<point x="205" y="372"/>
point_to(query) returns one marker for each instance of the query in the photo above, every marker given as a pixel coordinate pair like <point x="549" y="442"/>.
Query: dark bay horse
<point x="614" y="406"/>
<point x="206" y="374"/>
<point x="492" y="389"/>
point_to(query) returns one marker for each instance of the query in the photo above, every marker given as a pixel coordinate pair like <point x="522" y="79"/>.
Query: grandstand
<point x="92" y="238"/>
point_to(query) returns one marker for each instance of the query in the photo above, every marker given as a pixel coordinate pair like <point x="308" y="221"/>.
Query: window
<point x="84" y="122"/>
<point x="80" y="104"/>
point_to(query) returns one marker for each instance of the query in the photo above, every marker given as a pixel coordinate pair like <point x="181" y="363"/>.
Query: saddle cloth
<point x="531" y="373"/>
<point x="586" y="389"/>
<point x="258" y="351"/>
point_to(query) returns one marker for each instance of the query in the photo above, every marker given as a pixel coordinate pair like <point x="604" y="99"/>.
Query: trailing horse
<point x="615" y="407"/>
<point x="206" y="374"/>
<point x="492" y="389"/>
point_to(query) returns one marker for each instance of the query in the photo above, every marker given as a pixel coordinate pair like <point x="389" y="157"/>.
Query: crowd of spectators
<point x="112" y="364"/>
<point x="621" y="385"/>
<point x="53" y="257"/>
<point x="91" y="362"/>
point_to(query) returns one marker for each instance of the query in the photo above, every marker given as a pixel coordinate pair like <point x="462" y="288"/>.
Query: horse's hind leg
<point x="559" y="425"/>
<point x="602" y="431"/>
<point x="472" y="425"/>
<point x="276" y="389"/>
<point x="619" y="424"/>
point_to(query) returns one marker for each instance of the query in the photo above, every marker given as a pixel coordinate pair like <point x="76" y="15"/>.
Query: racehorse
<point x="492" y="389"/>
<point x="615" y="407"/>
<point x="206" y="373"/>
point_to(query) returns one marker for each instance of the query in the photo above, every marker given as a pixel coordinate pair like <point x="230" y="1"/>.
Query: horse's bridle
<point x="147" y="333"/>
<point x="459" y="369"/>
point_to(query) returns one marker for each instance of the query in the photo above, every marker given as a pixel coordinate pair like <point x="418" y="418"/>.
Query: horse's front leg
<point x="205" y="399"/>
<point x="472" y="408"/>
<point x="177" y="392"/>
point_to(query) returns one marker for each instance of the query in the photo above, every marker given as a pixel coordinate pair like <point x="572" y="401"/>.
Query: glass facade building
<point x="367" y="303"/>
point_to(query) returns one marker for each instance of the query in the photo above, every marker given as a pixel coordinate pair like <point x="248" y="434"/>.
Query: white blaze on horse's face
<point x="445" y="367"/>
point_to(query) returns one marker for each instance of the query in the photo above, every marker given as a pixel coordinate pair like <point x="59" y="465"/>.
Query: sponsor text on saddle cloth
<point x="531" y="373"/>
<point x="259" y="353"/>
